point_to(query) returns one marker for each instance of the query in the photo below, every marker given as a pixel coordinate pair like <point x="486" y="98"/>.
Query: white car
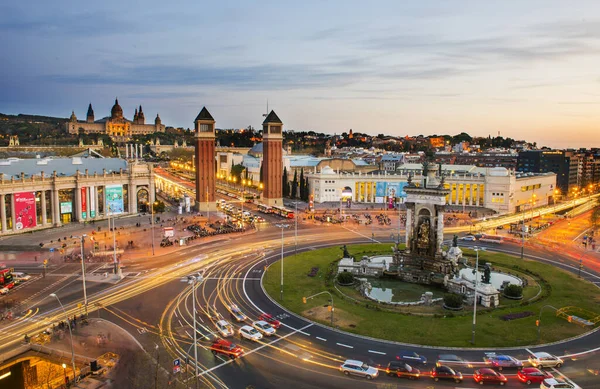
<point x="264" y="327"/>
<point x="543" y="359"/>
<point x="224" y="328"/>
<point x="353" y="367"/>
<point x="21" y="277"/>
<point x="551" y="383"/>
<point x="470" y="238"/>
<point x="4" y="291"/>
<point x="236" y="313"/>
<point x="250" y="333"/>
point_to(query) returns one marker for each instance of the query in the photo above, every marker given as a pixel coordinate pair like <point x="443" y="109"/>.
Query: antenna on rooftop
<point x="265" y="114"/>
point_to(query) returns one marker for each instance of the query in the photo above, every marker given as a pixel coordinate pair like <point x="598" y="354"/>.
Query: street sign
<point x="176" y="365"/>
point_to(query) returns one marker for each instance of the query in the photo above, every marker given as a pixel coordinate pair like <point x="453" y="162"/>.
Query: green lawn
<point x="447" y="330"/>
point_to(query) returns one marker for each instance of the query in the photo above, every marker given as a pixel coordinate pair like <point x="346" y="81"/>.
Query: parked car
<point x="264" y="327"/>
<point x="543" y="359"/>
<point x="250" y="333"/>
<point x="446" y="373"/>
<point x="552" y="383"/>
<point x="452" y="360"/>
<point x="354" y="367"/>
<point x="236" y="313"/>
<point x="401" y="370"/>
<point x="532" y="375"/>
<point x="270" y="319"/>
<point x="224" y="328"/>
<point x="502" y="361"/>
<point x="411" y="357"/>
<point x="489" y="376"/>
<point x="225" y="347"/>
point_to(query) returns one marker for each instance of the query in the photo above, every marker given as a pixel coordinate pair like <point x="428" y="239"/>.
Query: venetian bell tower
<point x="205" y="160"/>
<point x="272" y="160"/>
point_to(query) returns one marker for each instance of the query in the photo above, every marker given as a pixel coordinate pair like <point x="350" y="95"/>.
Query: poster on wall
<point x="392" y="189"/>
<point x="25" y="211"/>
<point x="379" y="200"/>
<point x="92" y="203"/>
<point x="114" y="198"/>
<point x="380" y="189"/>
<point x="401" y="192"/>
<point x="66" y="207"/>
<point x="84" y="203"/>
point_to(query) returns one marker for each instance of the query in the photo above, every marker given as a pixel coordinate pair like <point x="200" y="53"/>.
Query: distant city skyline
<point x="528" y="70"/>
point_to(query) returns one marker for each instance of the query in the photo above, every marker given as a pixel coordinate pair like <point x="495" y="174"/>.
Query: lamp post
<point x="476" y="248"/>
<point x="539" y="321"/>
<point x="115" y="262"/>
<point x="64" y="366"/>
<point x="70" y="334"/>
<point x="152" y="220"/>
<point x="314" y="295"/>
<point x="83" y="275"/>
<point x="296" y="228"/>
<point x="282" y="226"/>
<point x="243" y="200"/>
<point x="193" y="280"/>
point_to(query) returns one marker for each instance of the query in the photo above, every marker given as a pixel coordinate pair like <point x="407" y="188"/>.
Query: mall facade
<point x="50" y="192"/>
<point x="496" y="189"/>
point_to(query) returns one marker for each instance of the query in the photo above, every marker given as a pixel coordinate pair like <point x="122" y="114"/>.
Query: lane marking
<point x="324" y="340"/>
<point x="344" y="345"/>
<point x="376" y="352"/>
<point x="566" y="378"/>
<point x="529" y="351"/>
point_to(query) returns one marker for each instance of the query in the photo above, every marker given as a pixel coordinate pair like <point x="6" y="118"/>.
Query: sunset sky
<point x="527" y="69"/>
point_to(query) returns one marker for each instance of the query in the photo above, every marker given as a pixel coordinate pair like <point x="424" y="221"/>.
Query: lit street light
<point x="152" y="220"/>
<point x="83" y="275"/>
<point x="193" y="280"/>
<point x="70" y="334"/>
<point x="282" y="226"/>
<point x="476" y="248"/>
<point x="314" y="295"/>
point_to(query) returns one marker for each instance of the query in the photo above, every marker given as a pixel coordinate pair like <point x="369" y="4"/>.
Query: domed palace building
<point x="116" y="125"/>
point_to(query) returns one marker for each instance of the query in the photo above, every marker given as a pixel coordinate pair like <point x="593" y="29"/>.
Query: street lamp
<point x="70" y="334"/>
<point x="296" y="228"/>
<point x="64" y="366"/>
<point x="282" y="226"/>
<point x="476" y="248"/>
<point x="539" y="321"/>
<point x="83" y="275"/>
<point x="193" y="280"/>
<point x="152" y="220"/>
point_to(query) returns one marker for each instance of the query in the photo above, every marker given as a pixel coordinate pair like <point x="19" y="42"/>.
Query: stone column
<point x="408" y="227"/>
<point x="12" y="212"/>
<point x="88" y="195"/>
<point x="3" y="211"/>
<point x="132" y="198"/>
<point x="78" y="213"/>
<point x="43" y="200"/>
<point x="477" y="198"/>
<point x="55" y="208"/>
<point x="464" y="200"/>
<point x="141" y="151"/>
<point x="126" y="151"/>
<point x="440" y="228"/>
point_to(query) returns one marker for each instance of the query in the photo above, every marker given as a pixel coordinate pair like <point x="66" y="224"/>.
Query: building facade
<point x="273" y="160"/>
<point x="42" y="193"/>
<point x="204" y="152"/>
<point x="116" y="125"/>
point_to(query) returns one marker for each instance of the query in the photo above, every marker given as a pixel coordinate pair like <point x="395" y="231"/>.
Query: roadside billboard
<point x="380" y="189"/>
<point x="114" y="198"/>
<point x="84" y="203"/>
<point x="25" y="212"/>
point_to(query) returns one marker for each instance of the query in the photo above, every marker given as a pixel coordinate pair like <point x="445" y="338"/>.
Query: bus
<point x="283" y="212"/>
<point x="264" y="208"/>
<point x="492" y="239"/>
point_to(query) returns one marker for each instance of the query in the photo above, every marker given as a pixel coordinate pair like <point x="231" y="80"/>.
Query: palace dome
<point x="116" y="111"/>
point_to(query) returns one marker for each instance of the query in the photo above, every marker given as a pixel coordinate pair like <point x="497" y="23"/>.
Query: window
<point x="205" y="128"/>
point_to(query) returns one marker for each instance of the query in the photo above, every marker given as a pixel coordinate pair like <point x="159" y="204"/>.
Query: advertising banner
<point x="379" y="200"/>
<point x="392" y="189"/>
<point x="66" y="207"/>
<point x="92" y="204"/>
<point x="114" y="198"/>
<point x="402" y="186"/>
<point x="380" y="189"/>
<point x="84" y="203"/>
<point x="25" y="211"/>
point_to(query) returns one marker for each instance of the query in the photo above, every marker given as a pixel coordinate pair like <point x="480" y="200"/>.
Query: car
<point x="10" y="285"/>
<point x="469" y="238"/>
<point x="411" y="357"/>
<point x="402" y="369"/>
<point x="250" y="333"/>
<point x="489" y="376"/>
<point x="502" y="361"/>
<point x="543" y="359"/>
<point x="452" y="360"/>
<point x="225" y="347"/>
<point x="552" y="383"/>
<point x="4" y="291"/>
<point x="224" y="328"/>
<point x="264" y="327"/>
<point x="446" y="373"/>
<point x="532" y="375"/>
<point x="500" y="227"/>
<point x="21" y="277"/>
<point x="270" y="319"/>
<point x="236" y="313"/>
<point x="354" y="367"/>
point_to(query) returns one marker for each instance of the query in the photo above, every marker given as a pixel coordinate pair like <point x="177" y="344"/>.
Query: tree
<point x="159" y="206"/>
<point x="453" y="300"/>
<point x="595" y="217"/>
<point x="294" y="192"/>
<point x="513" y="290"/>
<point x="345" y="278"/>
<point x="284" y="183"/>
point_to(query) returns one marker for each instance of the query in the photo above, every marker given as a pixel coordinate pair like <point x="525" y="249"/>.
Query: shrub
<point x="345" y="278"/>
<point x="513" y="290"/>
<point x="517" y="315"/>
<point x="453" y="300"/>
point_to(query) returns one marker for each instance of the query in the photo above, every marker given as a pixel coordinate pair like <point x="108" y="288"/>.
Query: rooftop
<point x="64" y="167"/>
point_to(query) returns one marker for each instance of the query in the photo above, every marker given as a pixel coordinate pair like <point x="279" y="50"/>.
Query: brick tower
<point x="205" y="160"/>
<point x="272" y="159"/>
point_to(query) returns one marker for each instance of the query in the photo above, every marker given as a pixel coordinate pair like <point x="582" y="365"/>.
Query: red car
<point x="489" y="376"/>
<point x="222" y="346"/>
<point x="531" y="375"/>
<point x="270" y="319"/>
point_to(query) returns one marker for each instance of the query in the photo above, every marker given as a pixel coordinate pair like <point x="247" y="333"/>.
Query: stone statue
<point x="487" y="272"/>
<point x="409" y="180"/>
<point x="423" y="236"/>
<point x="346" y="254"/>
<point x="455" y="241"/>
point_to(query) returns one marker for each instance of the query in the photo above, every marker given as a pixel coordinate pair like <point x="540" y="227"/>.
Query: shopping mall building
<point x="50" y="192"/>
<point x="496" y="189"/>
